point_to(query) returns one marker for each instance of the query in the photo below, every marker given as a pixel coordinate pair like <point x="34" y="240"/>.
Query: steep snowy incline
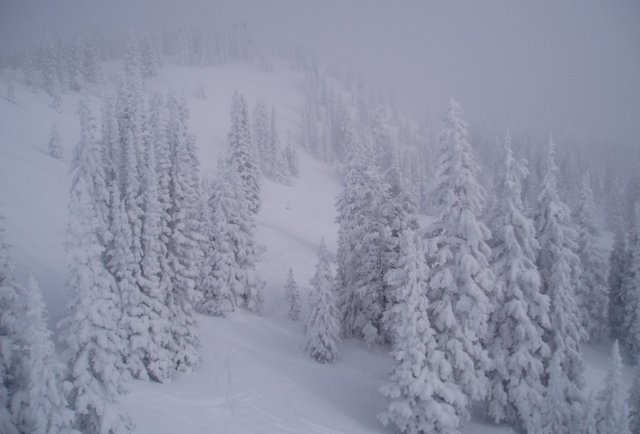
<point x="254" y="377"/>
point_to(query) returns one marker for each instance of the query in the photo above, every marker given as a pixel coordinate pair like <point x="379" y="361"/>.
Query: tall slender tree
<point x="423" y="393"/>
<point x="521" y="312"/>
<point x="592" y="296"/>
<point x="461" y="280"/>
<point x="94" y="345"/>
<point x="557" y="264"/>
<point x="323" y="323"/>
<point x="613" y="414"/>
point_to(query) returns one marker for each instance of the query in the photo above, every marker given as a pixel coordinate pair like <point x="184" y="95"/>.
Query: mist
<point x="566" y="68"/>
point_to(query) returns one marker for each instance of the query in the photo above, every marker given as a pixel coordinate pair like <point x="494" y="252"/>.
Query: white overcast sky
<point x="557" y="65"/>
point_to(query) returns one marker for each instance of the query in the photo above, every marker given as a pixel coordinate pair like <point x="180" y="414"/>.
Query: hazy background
<point x="566" y="67"/>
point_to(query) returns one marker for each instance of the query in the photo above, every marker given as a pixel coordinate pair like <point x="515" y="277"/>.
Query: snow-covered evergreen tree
<point x="11" y="90"/>
<point x="47" y="409"/>
<point x="261" y="130"/>
<point x="587" y="423"/>
<point x="613" y="415"/>
<point x="423" y="393"/>
<point x="557" y="264"/>
<point x="631" y="292"/>
<point x="461" y="280"/>
<point x="10" y="324"/>
<point x="183" y="252"/>
<point x="55" y="149"/>
<point x="240" y="155"/>
<point x="292" y="296"/>
<point x="291" y="156"/>
<point x="94" y="345"/>
<point x="558" y="416"/>
<point x="592" y="295"/>
<point x="633" y="403"/>
<point x="323" y="324"/>
<point x="155" y="286"/>
<point x="521" y="311"/>
<point x="618" y="260"/>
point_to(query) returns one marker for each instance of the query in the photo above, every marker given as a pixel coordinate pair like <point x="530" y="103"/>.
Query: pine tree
<point x="587" y="423"/>
<point x="461" y="280"/>
<point x="634" y="403"/>
<point x="558" y="415"/>
<point x="521" y="312"/>
<point x="617" y="269"/>
<point x="240" y="155"/>
<point x="612" y="416"/>
<point x="423" y="394"/>
<point x="47" y="409"/>
<point x="557" y="264"/>
<point x="94" y="346"/>
<point x="291" y="155"/>
<point x="631" y="292"/>
<point x="54" y="143"/>
<point x="10" y="315"/>
<point x="11" y="90"/>
<point x="183" y="251"/>
<point x="592" y="295"/>
<point x="292" y="297"/>
<point x="261" y="131"/>
<point x="155" y="285"/>
<point x="323" y="323"/>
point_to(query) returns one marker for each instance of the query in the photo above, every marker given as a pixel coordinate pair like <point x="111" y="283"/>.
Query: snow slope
<point x="254" y="377"/>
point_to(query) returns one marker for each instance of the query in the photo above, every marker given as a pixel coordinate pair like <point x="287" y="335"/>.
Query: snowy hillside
<point x="254" y="376"/>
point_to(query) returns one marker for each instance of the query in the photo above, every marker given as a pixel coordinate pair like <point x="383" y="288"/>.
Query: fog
<point x="562" y="67"/>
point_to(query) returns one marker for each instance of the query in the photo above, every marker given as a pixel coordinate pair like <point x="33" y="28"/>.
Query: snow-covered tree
<point x="183" y="251"/>
<point x="423" y="393"/>
<point x="461" y="280"/>
<point x="47" y="409"/>
<point x="240" y="155"/>
<point x="633" y="403"/>
<point x="10" y="325"/>
<point x="592" y="293"/>
<point x="94" y="345"/>
<point x="613" y="414"/>
<point x="291" y="155"/>
<point x="11" y="90"/>
<point x="55" y="149"/>
<point x="587" y="423"/>
<point x="618" y="260"/>
<point x="292" y="296"/>
<point x="558" y="416"/>
<point x="323" y="324"/>
<point x="521" y="311"/>
<point x="557" y="264"/>
<point x="631" y="292"/>
<point x="261" y="130"/>
<point x="154" y="285"/>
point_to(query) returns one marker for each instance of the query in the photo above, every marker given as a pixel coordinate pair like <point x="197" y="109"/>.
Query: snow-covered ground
<point x="254" y="377"/>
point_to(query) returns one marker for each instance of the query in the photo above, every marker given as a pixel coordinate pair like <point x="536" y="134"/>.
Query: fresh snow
<point x="254" y="375"/>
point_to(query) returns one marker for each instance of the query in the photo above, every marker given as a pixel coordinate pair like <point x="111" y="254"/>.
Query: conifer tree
<point x="592" y="295"/>
<point x="618" y="261"/>
<point x="323" y="324"/>
<point x="261" y="131"/>
<point x="11" y="90"/>
<point x="613" y="414"/>
<point x="461" y="279"/>
<point x="183" y="250"/>
<point x="587" y="423"/>
<point x="10" y="314"/>
<point x="558" y="415"/>
<point x="54" y="143"/>
<point x="291" y="156"/>
<point x="521" y="312"/>
<point x="94" y="345"/>
<point x="631" y="292"/>
<point x="634" y="402"/>
<point x="155" y="286"/>
<point x="47" y="409"/>
<point x="424" y="396"/>
<point x="292" y="297"/>
<point x="240" y="154"/>
<point x="557" y="264"/>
